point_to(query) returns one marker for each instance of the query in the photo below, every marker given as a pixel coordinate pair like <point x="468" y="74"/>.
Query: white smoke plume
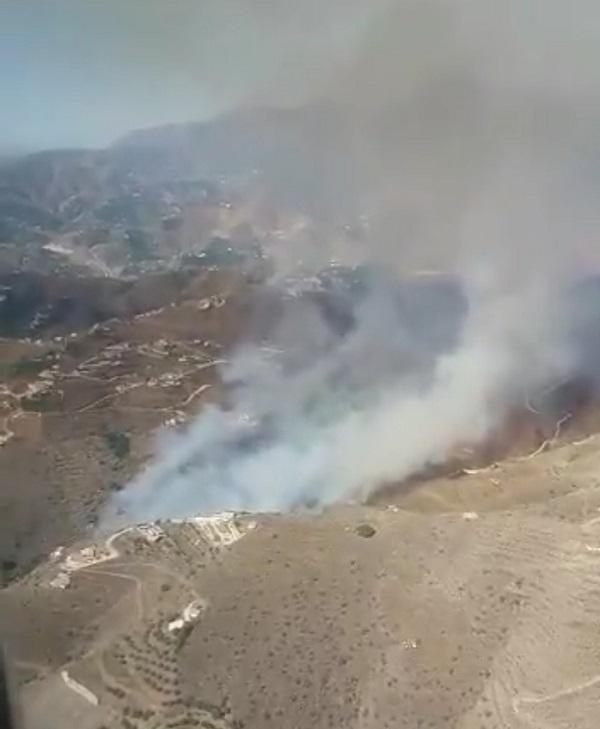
<point x="373" y="407"/>
<point x="472" y="126"/>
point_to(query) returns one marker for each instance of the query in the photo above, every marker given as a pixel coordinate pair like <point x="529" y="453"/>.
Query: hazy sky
<point x="82" y="72"/>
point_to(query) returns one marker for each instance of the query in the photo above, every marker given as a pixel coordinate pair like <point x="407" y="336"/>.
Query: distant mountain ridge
<point x="135" y="186"/>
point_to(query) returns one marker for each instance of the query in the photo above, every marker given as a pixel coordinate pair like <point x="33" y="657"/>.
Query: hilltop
<point x="415" y="612"/>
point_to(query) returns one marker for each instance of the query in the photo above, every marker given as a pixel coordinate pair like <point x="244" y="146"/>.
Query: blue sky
<point x="79" y="73"/>
<point x="83" y="72"/>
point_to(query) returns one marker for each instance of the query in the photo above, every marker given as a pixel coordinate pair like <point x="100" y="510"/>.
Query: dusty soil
<point x="465" y="598"/>
<point x="79" y="408"/>
<point x="468" y="602"/>
<point x="92" y="369"/>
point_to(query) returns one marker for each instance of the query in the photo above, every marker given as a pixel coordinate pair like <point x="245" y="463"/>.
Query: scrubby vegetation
<point x="118" y="443"/>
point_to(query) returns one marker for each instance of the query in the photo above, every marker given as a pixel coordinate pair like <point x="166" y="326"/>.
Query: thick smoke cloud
<point x="371" y="407"/>
<point x="471" y="130"/>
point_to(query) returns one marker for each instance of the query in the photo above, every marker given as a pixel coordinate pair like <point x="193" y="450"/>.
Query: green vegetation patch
<point x="118" y="443"/>
<point x="26" y="366"/>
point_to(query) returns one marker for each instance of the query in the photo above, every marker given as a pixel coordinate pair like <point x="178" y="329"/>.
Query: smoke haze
<point x="78" y="74"/>
<point x="466" y="138"/>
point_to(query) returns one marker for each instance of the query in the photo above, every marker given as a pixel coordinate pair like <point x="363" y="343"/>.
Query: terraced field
<point x="469" y="602"/>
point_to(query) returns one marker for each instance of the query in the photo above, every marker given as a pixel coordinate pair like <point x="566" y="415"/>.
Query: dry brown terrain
<point x="82" y="396"/>
<point x="467" y="597"/>
<point x="79" y="408"/>
<point x="469" y="602"/>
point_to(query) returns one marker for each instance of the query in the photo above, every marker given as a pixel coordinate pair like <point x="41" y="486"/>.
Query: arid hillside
<point x="469" y="603"/>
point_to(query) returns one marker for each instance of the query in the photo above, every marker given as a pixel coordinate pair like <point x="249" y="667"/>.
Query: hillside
<point x="447" y="606"/>
<point x="160" y="194"/>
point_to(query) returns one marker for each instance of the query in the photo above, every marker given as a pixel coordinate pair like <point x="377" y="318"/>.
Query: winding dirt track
<point x="467" y="606"/>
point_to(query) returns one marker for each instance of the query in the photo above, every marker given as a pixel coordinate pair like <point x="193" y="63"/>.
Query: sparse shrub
<point x="42" y="402"/>
<point x="28" y="367"/>
<point x="118" y="442"/>
<point x="8" y="571"/>
<point x="365" y="530"/>
<point x="183" y="635"/>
